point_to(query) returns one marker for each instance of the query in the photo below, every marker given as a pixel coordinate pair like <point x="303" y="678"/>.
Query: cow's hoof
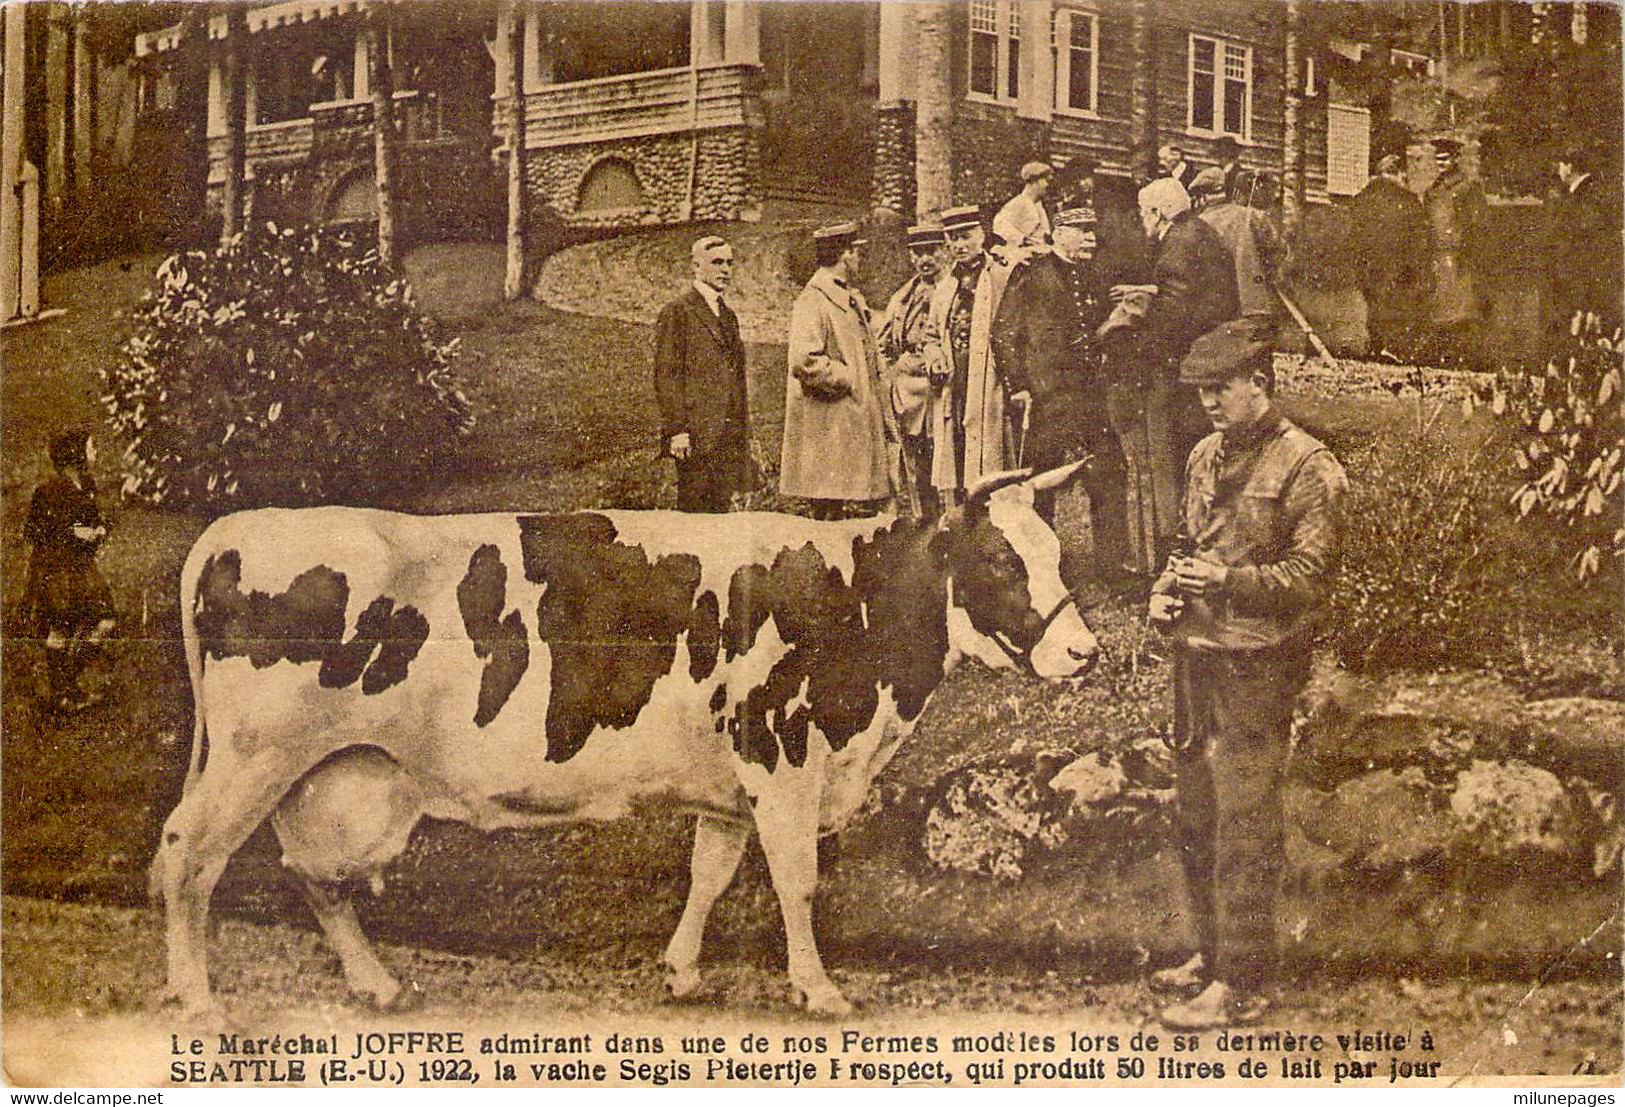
<point x="681" y="984"/>
<point x="826" y="1002"/>
<point x="408" y="997"/>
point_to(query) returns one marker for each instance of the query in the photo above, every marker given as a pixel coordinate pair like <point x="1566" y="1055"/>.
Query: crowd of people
<point x="1050" y="335"/>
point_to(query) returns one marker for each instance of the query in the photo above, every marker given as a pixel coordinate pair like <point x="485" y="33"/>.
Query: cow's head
<point x="1007" y="604"/>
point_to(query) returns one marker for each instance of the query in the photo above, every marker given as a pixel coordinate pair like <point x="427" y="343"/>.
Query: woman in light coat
<point x="838" y="431"/>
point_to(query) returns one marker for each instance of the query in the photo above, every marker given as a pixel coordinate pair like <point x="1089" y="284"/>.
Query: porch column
<point x="58" y="104"/>
<point x="1037" y="61"/>
<point x="742" y="32"/>
<point x="11" y="161"/>
<point x="705" y="30"/>
<point x="361" y="81"/>
<point x="896" y="53"/>
<point x="217" y="98"/>
<point x="538" y="59"/>
<point x="84" y="101"/>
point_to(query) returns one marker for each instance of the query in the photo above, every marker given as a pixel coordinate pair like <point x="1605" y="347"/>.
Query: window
<point x="995" y="49"/>
<point x="1221" y="86"/>
<point x="1077" y="48"/>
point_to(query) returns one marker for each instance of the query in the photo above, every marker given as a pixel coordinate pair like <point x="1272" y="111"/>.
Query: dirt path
<point x="80" y="984"/>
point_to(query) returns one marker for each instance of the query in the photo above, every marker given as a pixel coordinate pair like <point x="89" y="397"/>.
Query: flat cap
<point x="837" y="232"/>
<point x="1444" y="145"/>
<point x="954" y="219"/>
<point x="1208" y="182"/>
<point x="1034" y="170"/>
<point x="1081" y="216"/>
<point x="1231" y="350"/>
<point x="1227" y="145"/>
<point x="925" y="234"/>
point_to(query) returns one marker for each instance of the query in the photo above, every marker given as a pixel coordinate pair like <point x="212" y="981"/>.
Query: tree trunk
<point x="381" y="83"/>
<point x="512" y="85"/>
<point x="234" y="74"/>
<point x="1143" y="94"/>
<point x="933" y="145"/>
<point x="1291" y="126"/>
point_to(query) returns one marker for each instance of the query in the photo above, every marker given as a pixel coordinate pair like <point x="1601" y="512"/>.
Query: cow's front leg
<point x="787" y="820"/>
<point x="718" y="845"/>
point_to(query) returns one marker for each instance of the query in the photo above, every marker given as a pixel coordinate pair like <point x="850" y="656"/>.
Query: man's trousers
<point x="1232" y="724"/>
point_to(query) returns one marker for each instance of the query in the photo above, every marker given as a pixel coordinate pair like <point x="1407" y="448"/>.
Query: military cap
<point x="838" y="232"/>
<point x="1081" y="216"/>
<point x="1444" y="146"/>
<point x="1231" y="350"/>
<point x="958" y="218"/>
<point x="1227" y="147"/>
<point x="925" y="234"/>
<point x="1033" y="170"/>
<point x="1208" y="182"/>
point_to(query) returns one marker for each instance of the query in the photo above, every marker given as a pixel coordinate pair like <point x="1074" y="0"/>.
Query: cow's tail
<point x="157" y="872"/>
<point x="190" y="574"/>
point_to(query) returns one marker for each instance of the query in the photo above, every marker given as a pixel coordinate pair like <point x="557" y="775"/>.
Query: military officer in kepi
<point x="1045" y="344"/>
<point x="904" y="334"/>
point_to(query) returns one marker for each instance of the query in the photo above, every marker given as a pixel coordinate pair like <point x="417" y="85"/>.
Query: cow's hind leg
<point x="224" y="806"/>
<point x="348" y="818"/>
<point x="787" y="821"/>
<point x="718" y="845"/>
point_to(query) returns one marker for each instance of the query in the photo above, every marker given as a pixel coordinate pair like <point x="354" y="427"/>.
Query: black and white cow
<point x="355" y="670"/>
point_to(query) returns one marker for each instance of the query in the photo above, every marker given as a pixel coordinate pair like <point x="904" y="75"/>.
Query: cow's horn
<point x="1054" y="478"/>
<point x="986" y="486"/>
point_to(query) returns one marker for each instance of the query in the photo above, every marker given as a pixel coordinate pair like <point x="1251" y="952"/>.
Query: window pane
<point x="1235" y="61"/>
<point x="1235" y="107"/>
<point x="1202" y="101"/>
<point x="1202" y="54"/>
<point x="983" y="57"/>
<point x="984" y="17"/>
<point x="1080" y="94"/>
<point x="1013" y="72"/>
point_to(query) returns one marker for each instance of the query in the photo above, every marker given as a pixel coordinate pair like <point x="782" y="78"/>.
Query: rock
<point x="1393" y="817"/>
<point x="1586" y="735"/>
<point x="1090" y="780"/>
<point x="1514" y="810"/>
<point x="988" y="818"/>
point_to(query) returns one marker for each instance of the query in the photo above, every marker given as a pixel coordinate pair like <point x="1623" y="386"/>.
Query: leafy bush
<point x="1415" y="589"/>
<point x="1574" y="442"/>
<point x="286" y="367"/>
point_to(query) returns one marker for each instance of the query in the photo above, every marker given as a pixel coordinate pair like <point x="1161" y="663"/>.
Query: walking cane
<point x="1303" y="325"/>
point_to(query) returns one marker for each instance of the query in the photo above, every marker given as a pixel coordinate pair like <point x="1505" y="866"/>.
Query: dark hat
<point x="1231" y="350"/>
<point x="1226" y="146"/>
<point x="955" y="219"/>
<point x="1081" y="216"/>
<point x="1033" y="170"/>
<point x="838" y="232"/>
<point x="1442" y="146"/>
<point x="68" y="448"/>
<point x="1209" y="182"/>
<point x="925" y="234"/>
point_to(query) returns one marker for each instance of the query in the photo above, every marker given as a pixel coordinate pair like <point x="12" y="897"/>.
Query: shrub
<point x="286" y="367"/>
<point x="1415" y="589"/>
<point x="1573" y="442"/>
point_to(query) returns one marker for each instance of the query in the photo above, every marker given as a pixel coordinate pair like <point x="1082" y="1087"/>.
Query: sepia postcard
<point x="844" y="543"/>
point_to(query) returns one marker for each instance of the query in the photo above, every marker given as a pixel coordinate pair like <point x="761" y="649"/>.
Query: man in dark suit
<point x="1583" y="247"/>
<point x="1195" y="291"/>
<point x="1388" y="242"/>
<point x="699" y="375"/>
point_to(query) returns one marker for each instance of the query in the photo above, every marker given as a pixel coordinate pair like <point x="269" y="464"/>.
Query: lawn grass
<point x="566" y="418"/>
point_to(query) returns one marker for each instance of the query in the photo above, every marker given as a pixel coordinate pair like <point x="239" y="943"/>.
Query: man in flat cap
<point x="1023" y="223"/>
<point x="972" y="437"/>
<point x="1255" y="247"/>
<point x="699" y="374"/>
<point x="1388" y="247"/>
<point x="838" y="429"/>
<point x="1045" y="344"/>
<point x="1240" y="601"/>
<point x="1456" y="212"/>
<point x="903" y="336"/>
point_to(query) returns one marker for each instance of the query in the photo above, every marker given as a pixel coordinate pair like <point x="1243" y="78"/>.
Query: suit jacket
<point x="1255" y="251"/>
<point x="989" y="445"/>
<point x="1044" y="332"/>
<point x="1456" y="211"/>
<point x="699" y="372"/>
<point x="1388" y="240"/>
<point x="1196" y="289"/>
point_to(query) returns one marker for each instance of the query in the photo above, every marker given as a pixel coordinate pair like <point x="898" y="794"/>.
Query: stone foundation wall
<point x="726" y="171"/>
<point x="894" y="159"/>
